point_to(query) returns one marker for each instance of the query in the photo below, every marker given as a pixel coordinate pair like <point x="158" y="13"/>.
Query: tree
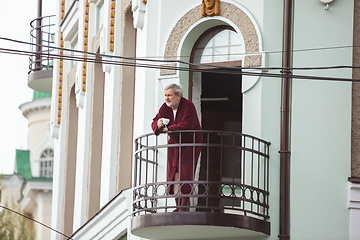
<point x="7" y="225"/>
<point x="13" y="226"/>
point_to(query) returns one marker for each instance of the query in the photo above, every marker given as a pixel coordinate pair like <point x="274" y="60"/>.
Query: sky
<point x="15" y="18"/>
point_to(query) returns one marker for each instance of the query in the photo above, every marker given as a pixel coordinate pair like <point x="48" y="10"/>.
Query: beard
<point x="172" y="103"/>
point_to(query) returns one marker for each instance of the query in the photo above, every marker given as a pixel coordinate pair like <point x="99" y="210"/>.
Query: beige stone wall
<point x="355" y="118"/>
<point x="38" y="122"/>
<point x="126" y="101"/>
<point x="228" y="11"/>
<point x="70" y="152"/>
<point x="126" y="4"/>
<point x="95" y="132"/>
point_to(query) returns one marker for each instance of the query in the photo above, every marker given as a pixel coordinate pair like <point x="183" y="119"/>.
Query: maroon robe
<point x="186" y="119"/>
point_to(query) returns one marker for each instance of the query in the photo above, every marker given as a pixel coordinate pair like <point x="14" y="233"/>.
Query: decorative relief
<point x="35" y="108"/>
<point x="112" y="26"/>
<point x="86" y="41"/>
<point x="252" y="60"/>
<point x="138" y="7"/>
<point x="167" y="69"/>
<point x="61" y="65"/>
<point x="210" y="8"/>
<point x="62" y="9"/>
<point x="228" y="11"/>
<point x="56" y="105"/>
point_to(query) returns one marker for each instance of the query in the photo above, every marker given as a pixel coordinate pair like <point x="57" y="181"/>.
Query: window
<point x="46" y="163"/>
<point x="220" y="45"/>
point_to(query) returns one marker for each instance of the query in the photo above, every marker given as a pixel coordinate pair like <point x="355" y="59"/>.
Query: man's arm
<point x="157" y="124"/>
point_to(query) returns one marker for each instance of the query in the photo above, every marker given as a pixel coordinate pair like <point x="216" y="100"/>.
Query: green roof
<point x="23" y="167"/>
<point x="42" y="179"/>
<point x="37" y="95"/>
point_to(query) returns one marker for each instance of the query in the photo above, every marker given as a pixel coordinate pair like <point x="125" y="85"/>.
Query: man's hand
<point x="160" y="123"/>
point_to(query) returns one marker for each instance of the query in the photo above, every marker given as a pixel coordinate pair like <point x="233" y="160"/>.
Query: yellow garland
<point x="112" y="26"/>
<point x="61" y="65"/>
<point x="62" y="9"/>
<point x="86" y="34"/>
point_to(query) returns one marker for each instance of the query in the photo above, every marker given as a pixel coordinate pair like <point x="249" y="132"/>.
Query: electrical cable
<point x="224" y="70"/>
<point x="240" y="54"/>
<point x="198" y="65"/>
<point x="197" y="69"/>
<point x="13" y="211"/>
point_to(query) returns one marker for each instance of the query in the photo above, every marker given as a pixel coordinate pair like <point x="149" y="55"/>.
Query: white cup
<point x="166" y="121"/>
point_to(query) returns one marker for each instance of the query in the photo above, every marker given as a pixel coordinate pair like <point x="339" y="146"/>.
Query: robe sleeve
<point x="154" y="122"/>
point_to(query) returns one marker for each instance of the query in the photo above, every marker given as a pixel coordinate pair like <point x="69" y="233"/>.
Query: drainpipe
<point x="284" y="220"/>
<point x="38" y="61"/>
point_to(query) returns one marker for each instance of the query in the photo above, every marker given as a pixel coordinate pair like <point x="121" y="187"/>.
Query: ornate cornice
<point x="36" y="105"/>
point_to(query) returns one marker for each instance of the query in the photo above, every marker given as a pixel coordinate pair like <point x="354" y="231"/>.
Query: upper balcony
<point x="42" y="33"/>
<point x="229" y="194"/>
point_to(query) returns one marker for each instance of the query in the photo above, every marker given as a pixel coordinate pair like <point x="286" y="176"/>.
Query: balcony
<point x="229" y="194"/>
<point x="42" y="33"/>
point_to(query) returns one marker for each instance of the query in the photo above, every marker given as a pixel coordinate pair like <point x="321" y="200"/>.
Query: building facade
<point x="36" y="191"/>
<point x="114" y="59"/>
<point x="29" y="189"/>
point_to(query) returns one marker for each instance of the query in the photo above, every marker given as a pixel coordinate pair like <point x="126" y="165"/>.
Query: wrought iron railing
<point x="231" y="175"/>
<point x="42" y="33"/>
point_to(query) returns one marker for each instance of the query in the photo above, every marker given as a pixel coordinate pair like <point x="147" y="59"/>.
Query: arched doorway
<point x="217" y="95"/>
<point x="216" y="91"/>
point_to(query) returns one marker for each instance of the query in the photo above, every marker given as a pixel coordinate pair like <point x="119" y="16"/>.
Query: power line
<point x="224" y="70"/>
<point x="187" y="63"/>
<point x="183" y="62"/>
<point x="22" y="215"/>
<point x="154" y="57"/>
<point x="134" y="62"/>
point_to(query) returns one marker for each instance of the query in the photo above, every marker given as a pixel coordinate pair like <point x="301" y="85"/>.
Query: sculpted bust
<point x="210" y="8"/>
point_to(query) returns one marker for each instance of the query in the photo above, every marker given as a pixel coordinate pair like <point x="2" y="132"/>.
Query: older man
<point x="183" y="116"/>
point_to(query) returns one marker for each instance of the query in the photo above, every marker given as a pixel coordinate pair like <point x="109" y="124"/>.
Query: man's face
<point x="171" y="99"/>
<point x="209" y="4"/>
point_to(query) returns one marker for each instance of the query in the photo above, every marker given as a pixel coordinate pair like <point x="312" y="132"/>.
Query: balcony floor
<point x="41" y="81"/>
<point x="197" y="225"/>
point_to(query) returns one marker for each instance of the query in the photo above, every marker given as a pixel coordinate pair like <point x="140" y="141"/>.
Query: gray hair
<point x="176" y="89"/>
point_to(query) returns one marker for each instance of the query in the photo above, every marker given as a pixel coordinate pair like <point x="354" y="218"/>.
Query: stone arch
<point x="228" y="11"/>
